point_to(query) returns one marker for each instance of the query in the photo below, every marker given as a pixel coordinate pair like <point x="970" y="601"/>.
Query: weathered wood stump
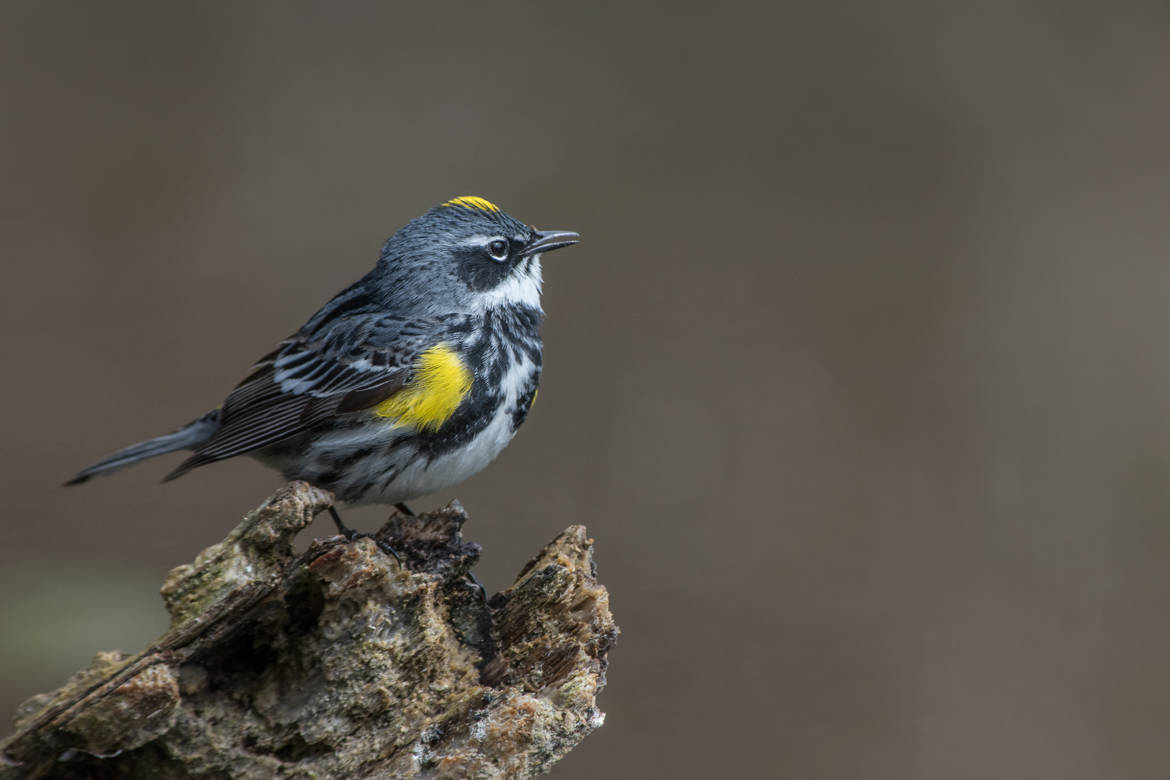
<point x="339" y="662"/>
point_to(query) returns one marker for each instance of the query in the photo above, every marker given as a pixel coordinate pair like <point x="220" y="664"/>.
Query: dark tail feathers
<point x="188" y="437"/>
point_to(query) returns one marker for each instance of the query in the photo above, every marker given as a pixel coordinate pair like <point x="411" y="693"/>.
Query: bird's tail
<point x="188" y="437"/>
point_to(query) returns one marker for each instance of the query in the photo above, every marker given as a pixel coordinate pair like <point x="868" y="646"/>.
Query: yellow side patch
<point x="473" y="202"/>
<point x="441" y="381"/>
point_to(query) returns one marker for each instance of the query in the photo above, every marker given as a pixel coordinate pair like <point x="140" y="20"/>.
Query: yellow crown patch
<point x="473" y="202"/>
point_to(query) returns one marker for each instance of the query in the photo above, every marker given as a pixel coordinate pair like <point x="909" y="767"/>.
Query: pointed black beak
<point x="548" y="240"/>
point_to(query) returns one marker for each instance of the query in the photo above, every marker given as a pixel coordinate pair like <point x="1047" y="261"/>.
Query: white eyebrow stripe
<point x="481" y="240"/>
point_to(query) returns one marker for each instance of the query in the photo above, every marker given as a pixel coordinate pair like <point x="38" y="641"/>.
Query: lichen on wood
<point x="338" y="662"/>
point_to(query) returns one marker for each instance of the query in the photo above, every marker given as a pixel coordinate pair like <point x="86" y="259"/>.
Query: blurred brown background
<point x="859" y="379"/>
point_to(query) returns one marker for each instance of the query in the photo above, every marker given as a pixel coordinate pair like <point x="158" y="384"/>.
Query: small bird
<point x="407" y="382"/>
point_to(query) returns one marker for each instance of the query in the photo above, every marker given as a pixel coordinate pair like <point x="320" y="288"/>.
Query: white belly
<point x="395" y="470"/>
<point x="420" y="477"/>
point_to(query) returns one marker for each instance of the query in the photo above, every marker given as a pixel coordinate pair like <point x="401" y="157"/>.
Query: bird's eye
<point x="498" y="249"/>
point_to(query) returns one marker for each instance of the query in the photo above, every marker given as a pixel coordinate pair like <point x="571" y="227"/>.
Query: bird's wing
<point x="354" y="364"/>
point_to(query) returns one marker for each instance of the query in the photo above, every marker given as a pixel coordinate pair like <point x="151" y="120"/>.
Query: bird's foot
<point x="470" y="575"/>
<point x="350" y="535"/>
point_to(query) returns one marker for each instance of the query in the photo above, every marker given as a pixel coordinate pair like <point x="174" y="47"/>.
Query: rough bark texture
<point x="339" y="662"/>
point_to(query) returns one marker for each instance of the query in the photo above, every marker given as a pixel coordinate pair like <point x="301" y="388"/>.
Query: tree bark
<point x="339" y="662"/>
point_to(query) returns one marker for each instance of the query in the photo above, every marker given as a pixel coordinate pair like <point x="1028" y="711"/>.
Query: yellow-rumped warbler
<point x="409" y="381"/>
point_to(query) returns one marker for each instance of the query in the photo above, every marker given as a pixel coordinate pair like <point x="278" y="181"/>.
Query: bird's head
<point x="467" y="255"/>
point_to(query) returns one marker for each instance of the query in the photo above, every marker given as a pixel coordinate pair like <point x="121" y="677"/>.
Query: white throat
<point x="521" y="288"/>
